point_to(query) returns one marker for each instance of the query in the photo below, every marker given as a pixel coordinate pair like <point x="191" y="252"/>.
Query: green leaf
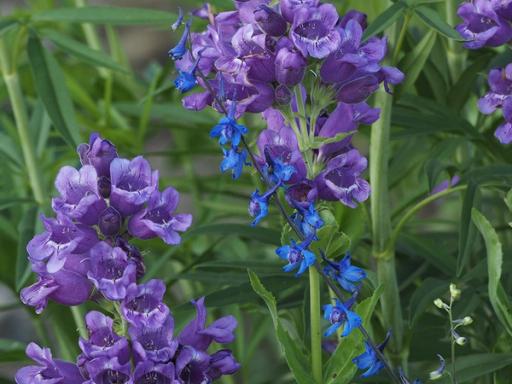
<point x="424" y="296"/>
<point x="385" y="19"/>
<point x="26" y="230"/>
<point x="416" y="59"/>
<point x="6" y="202"/>
<point x="106" y="15"/>
<point x="292" y="349"/>
<point x="432" y="19"/>
<point x="497" y="295"/>
<point x="11" y="350"/>
<point x="340" y="369"/>
<point x="319" y="141"/>
<point x="508" y="200"/>
<point x="470" y="367"/>
<point x="6" y="24"/>
<point x="83" y="52"/>
<point x="10" y="150"/>
<point x="51" y="88"/>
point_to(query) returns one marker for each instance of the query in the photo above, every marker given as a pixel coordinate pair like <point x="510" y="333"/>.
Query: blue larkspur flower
<point x="228" y="130"/>
<point x="179" y="20"/>
<point x="258" y="206"/>
<point x="234" y="160"/>
<point x="346" y="274"/>
<point x="297" y="255"/>
<point x="308" y="220"/>
<point x="369" y="360"/>
<point x="280" y="171"/>
<point x="341" y="315"/>
<point x="185" y="81"/>
<point x="179" y="50"/>
<point x="439" y="371"/>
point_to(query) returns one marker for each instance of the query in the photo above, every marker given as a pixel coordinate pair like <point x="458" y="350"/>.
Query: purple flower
<point x="482" y="25"/>
<point x="355" y="15"/>
<point x="147" y="372"/>
<point x="158" y="218"/>
<point x="80" y="199"/>
<point x="154" y="344"/>
<point x="346" y="274"/>
<point x="68" y="286"/>
<point x="48" y="370"/>
<point x="102" y="341"/>
<point x="197" y="335"/>
<point x="132" y="184"/>
<point x="133" y="254"/>
<point x="111" y="271"/>
<point x="290" y="7"/>
<point x="222" y="363"/>
<point x="270" y="21"/>
<point x="341" y="179"/>
<point x="61" y="238"/>
<point x="297" y="255"/>
<point x="290" y="66"/>
<point x="302" y="194"/>
<point x="504" y="133"/>
<point x="314" y="31"/>
<point x="341" y="315"/>
<point x="99" y="153"/>
<point x="104" y="370"/>
<point x="197" y="101"/>
<point x="143" y="305"/>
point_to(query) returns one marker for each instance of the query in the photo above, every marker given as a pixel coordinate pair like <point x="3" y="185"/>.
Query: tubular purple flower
<point x="68" y="286"/>
<point x="154" y="344"/>
<point x="341" y="179"/>
<point x="99" y="153"/>
<point x="61" y="238"/>
<point x="314" y="31"/>
<point x="143" y="305"/>
<point x="147" y="372"/>
<point x="103" y="370"/>
<point x="302" y="194"/>
<point x="48" y="370"/>
<point x="102" y="341"/>
<point x="111" y="271"/>
<point x="355" y="15"/>
<point x="290" y="67"/>
<point x="197" y="101"/>
<point x="481" y="25"/>
<point x="222" y="363"/>
<point x="133" y="182"/>
<point x="159" y="219"/>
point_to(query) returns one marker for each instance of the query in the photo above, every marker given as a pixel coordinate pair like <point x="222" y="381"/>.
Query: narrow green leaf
<point x="26" y="231"/>
<point x="10" y="150"/>
<point x="11" y="350"/>
<point x="83" y="52"/>
<point x="295" y="357"/>
<point x="416" y="59"/>
<point x="497" y="295"/>
<point x="51" y="88"/>
<point x="424" y="296"/>
<point x="6" y="24"/>
<point x="340" y="369"/>
<point x="470" y="367"/>
<point x="264" y="235"/>
<point x="6" y="202"/>
<point x="385" y="19"/>
<point x="106" y="15"/>
<point x="319" y="141"/>
<point x="434" y="20"/>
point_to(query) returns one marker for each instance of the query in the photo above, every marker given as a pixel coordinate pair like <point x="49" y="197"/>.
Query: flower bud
<point x="269" y="21"/>
<point x="283" y="95"/>
<point x="290" y="67"/>
<point x="439" y="303"/>
<point x="454" y="292"/>
<point x="110" y="221"/>
<point x="438" y="373"/>
<point x="467" y="320"/>
<point x="461" y="340"/>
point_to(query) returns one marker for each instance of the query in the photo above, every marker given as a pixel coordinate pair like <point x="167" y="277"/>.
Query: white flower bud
<point x="454" y="292"/>
<point x="439" y="303"/>
<point x="461" y="340"/>
<point x="467" y="320"/>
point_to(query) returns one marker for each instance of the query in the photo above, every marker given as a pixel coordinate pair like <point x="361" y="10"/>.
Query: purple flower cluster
<point x="489" y="23"/>
<point x="85" y="252"/>
<point x="148" y="354"/>
<point x="100" y="207"/>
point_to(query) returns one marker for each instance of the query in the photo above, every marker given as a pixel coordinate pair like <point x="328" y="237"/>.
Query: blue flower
<point x="369" y="360"/>
<point x="185" y="81"/>
<point x="297" y="255"/>
<point x="434" y="375"/>
<point x="280" y="171"/>
<point x="258" y="207"/>
<point x="345" y="273"/>
<point x="180" y="49"/>
<point x="405" y="380"/>
<point x="308" y="220"/>
<point x="234" y="160"/>
<point x="228" y="130"/>
<point x="341" y="315"/>
<point x="179" y="20"/>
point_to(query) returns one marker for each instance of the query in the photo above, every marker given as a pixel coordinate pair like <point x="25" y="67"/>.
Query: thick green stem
<point x="455" y="53"/>
<point x="79" y="321"/>
<point x="316" y="331"/>
<point x="21" y="116"/>
<point x="381" y="220"/>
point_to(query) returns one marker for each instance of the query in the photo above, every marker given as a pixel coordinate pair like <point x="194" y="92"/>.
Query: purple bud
<point x="283" y="95"/>
<point x="269" y="21"/>
<point x="99" y="153"/>
<point x="104" y="187"/>
<point x="133" y="254"/>
<point x="354" y="15"/>
<point x="290" y="67"/>
<point x="110" y="221"/>
<point x="290" y="7"/>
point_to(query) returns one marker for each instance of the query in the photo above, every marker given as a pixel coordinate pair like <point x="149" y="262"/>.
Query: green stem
<point x="79" y="321"/>
<point x="21" y="116"/>
<point x="316" y="332"/>
<point x="455" y="54"/>
<point x="401" y="37"/>
<point x="381" y="220"/>
<point x="452" y="338"/>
